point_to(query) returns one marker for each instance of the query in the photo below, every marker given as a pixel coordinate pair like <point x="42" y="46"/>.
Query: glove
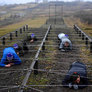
<point x="75" y="86"/>
<point x="70" y="85"/>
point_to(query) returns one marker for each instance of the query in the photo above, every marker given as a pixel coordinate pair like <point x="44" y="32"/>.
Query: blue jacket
<point x="16" y="58"/>
<point x="80" y="68"/>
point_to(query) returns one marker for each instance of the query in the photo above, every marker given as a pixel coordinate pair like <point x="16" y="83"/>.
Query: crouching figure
<point x="76" y="77"/>
<point x="31" y="37"/>
<point x="65" y="43"/>
<point x="9" y="58"/>
<point x="18" y="49"/>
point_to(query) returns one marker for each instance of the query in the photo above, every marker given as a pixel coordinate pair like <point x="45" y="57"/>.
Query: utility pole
<point x="55" y="14"/>
<point x="49" y="13"/>
<point x="62" y="13"/>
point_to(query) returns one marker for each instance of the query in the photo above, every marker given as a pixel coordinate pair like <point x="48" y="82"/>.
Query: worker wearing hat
<point x="18" y="49"/>
<point x="31" y="37"/>
<point x="9" y="58"/>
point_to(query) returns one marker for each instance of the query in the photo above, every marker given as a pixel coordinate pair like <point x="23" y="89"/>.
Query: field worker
<point x="9" y="58"/>
<point x="76" y="77"/>
<point x="18" y="49"/>
<point x="65" y="43"/>
<point x="31" y="37"/>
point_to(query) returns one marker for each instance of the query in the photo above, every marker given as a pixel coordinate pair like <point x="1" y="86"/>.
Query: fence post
<point x="16" y="33"/>
<point x="47" y="37"/>
<point x="10" y="36"/>
<point x="50" y="27"/>
<point x="82" y="36"/>
<point x="86" y="42"/>
<point x="91" y="46"/>
<point x="79" y="33"/>
<point x="76" y="29"/>
<point x="43" y="47"/>
<point x="36" y="67"/>
<point x="26" y="27"/>
<point x="20" y="30"/>
<point x="3" y="41"/>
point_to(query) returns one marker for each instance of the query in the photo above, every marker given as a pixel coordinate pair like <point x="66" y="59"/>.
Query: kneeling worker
<point x="9" y="58"/>
<point x="31" y="37"/>
<point x="18" y="49"/>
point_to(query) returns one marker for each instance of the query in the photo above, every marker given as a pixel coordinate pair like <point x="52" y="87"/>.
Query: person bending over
<point x="76" y="77"/>
<point x="18" y="49"/>
<point x="9" y="58"/>
<point x="31" y="37"/>
<point x="65" y="43"/>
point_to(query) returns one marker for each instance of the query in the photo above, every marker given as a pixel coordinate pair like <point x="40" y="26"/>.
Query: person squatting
<point x="76" y="77"/>
<point x="65" y="43"/>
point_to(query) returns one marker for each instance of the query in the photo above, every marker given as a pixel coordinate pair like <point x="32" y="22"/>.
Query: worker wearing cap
<point x="18" y="49"/>
<point x="9" y="58"/>
<point x="31" y="37"/>
<point x="65" y="43"/>
<point x="76" y="77"/>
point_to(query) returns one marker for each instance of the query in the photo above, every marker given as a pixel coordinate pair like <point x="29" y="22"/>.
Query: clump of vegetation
<point x="40" y="79"/>
<point x="85" y="16"/>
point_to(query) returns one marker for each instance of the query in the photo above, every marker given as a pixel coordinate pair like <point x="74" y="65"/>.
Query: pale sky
<point x="26" y="1"/>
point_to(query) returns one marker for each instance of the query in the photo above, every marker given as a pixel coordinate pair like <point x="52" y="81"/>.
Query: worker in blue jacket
<point x="9" y="58"/>
<point x="65" y="43"/>
<point x="76" y="77"/>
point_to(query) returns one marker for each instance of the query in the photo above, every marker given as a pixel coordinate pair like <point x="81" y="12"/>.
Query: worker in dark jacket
<point x="65" y="43"/>
<point x="9" y="58"/>
<point x="76" y="77"/>
<point x="31" y="37"/>
<point x="18" y="49"/>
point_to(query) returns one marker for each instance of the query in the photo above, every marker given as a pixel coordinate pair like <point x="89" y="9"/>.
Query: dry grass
<point x="85" y="53"/>
<point x="34" y="23"/>
<point x="70" y="21"/>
